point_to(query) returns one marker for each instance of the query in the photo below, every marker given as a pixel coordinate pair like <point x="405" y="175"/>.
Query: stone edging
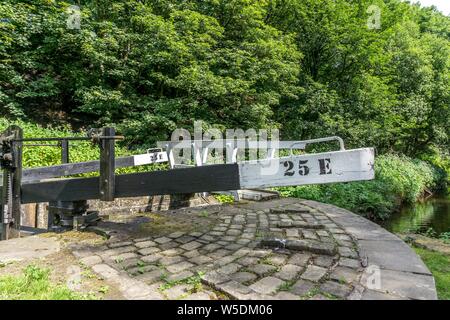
<point x="402" y="273"/>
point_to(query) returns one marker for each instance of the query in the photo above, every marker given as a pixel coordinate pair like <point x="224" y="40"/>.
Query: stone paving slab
<point x="393" y="255"/>
<point x="376" y="295"/>
<point x="407" y="285"/>
<point x="27" y="248"/>
<point x="402" y="273"/>
<point x="268" y="285"/>
<point x="280" y="249"/>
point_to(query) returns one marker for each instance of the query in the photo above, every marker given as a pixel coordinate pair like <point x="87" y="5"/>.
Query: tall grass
<point x="398" y="180"/>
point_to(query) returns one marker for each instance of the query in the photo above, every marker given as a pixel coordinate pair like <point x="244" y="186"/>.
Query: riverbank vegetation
<point x="310" y="68"/>
<point x="439" y="265"/>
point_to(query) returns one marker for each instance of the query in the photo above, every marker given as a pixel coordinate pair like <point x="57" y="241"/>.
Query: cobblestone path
<point x="282" y="249"/>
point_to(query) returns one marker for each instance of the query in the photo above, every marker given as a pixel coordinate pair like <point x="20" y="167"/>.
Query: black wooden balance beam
<point x="327" y="167"/>
<point x="188" y="180"/>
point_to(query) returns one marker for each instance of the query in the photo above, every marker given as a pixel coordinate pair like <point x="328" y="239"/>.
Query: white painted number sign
<point x="149" y="158"/>
<point x="339" y="166"/>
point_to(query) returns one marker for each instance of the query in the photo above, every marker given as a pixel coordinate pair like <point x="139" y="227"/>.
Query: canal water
<point x="432" y="213"/>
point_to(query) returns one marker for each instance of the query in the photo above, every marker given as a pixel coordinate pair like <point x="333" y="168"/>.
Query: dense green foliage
<point x="35" y="284"/>
<point x="79" y="150"/>
<point x="47" y="156"/>
<point x="310" y="67"/>
<point x="398" y="180"/>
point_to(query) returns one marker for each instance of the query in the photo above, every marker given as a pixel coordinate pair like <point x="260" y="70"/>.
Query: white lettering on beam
<point x="318" y="168"/>
<point x="149" y="158"/>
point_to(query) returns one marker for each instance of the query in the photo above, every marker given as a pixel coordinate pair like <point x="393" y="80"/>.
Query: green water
<point x="433" y="213"/>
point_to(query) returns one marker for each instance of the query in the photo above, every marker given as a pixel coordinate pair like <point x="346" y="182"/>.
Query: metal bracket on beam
<point x="11" y="164"/>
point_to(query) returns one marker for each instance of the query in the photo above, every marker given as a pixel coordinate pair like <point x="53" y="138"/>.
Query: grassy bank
<point x="439" y="265"/>
<point x="398" y="180"/>
<point x="435" y="253"/>
<point x="35" y="284"/>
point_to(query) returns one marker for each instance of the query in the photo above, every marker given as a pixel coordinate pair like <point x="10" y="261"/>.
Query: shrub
<point x="224" y="198"/>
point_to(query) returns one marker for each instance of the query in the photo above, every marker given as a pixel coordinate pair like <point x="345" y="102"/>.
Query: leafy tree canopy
<point x="311" y="68"/>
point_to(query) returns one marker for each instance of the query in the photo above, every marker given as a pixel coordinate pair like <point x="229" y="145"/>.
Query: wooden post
<point x="17" y="182"/>
<point x="107" y="165"/>
<point x="64" y="159"/>
<point x="64" y="151"/>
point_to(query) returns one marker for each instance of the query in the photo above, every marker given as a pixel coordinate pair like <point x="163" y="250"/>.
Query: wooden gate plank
<point x="41" y="173"/>
<point x="189" y="180"/>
